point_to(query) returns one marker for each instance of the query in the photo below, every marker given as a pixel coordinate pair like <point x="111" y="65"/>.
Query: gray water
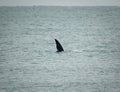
<point x="90" y="37"/>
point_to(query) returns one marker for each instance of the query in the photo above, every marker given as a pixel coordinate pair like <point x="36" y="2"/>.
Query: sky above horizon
<point x="60" y="2"/>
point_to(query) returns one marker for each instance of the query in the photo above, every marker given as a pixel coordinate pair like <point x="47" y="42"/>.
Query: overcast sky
<point x="60" y="2"/>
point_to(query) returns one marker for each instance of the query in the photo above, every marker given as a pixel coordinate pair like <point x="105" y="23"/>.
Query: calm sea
<point x="90" y="37"/>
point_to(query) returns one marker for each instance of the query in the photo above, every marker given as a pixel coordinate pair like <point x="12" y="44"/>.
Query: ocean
<point x="90" y="37"/>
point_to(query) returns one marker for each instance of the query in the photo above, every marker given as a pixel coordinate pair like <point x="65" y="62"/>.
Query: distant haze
<point x="60" y="2"/>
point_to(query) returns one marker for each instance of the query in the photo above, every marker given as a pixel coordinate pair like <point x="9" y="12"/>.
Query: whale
<point x="58" y="46"/>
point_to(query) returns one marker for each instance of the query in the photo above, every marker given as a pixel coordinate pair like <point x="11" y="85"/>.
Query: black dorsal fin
<point x="59" y="46"/>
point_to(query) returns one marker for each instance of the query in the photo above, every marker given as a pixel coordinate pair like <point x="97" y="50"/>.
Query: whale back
<point x="59" y="46"/>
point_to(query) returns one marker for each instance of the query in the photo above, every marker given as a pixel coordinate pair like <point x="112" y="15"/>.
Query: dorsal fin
<point x="59" y="46"/>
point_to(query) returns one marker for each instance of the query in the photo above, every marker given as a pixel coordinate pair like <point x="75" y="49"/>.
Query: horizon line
<point x="60" y="5"/>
